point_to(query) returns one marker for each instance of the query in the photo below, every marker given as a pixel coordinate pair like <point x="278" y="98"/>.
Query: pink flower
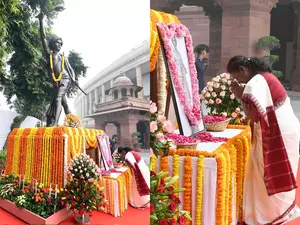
<point x="168" y="127"/>
<point x="223" y="87"/>
<point x="153" y="126"/>
<point x="201" y="97"/>
<point x="153" y="108"/>
<point x="222" y="75"/>
<point x="210" y="89"/>
<point x="222" y="93"/>
<point x="207" y="94"/>
<point x="218" y="101"/>
<point x="151" y="152"/>
<point x="232" y="96"/>
<point x="91" y="180"/>
<point x="214" y="94"/>
<point x="237" y="110"/>
<point x="205" y="102"/>
<point x="161" y="118"/>
<point x="224" y="114"/>
<point x="234" y="115"/>
<point x="160" y="137"/>
<point x="203" y="91"/>
<point x="211" y="101"/>
<point x="209" y="84"/>
<point x="229" y="82"/>
<point x="216" y="85"/>
<point x="227" y="76"/>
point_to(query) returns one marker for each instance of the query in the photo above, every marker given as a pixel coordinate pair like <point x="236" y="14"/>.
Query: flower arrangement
<point x="163" y="201"/>
<point x="82" y="193"/>
<point x="217" y="95"/>
<point x="35" y="198"/>
<point x="72" y="121"/>
<point x="159" y="128"/>
<point x="202" y="137"/>
<point x="214" y="119"/>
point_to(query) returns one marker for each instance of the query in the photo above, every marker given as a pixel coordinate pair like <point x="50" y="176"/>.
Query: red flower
<point x="172" y="221"/>
<point x="162" y="182"/>
<point x="49" y="200"/>
<point x="172" y="206"/>
<point x="172" y="197"/>
<point x="152" y="208"/>
<point x="177" y="200"/>
<point x="163" y="222"/>
<point x="153" y="174"/>
<point x="170" y="188"/>
<point x="73" y="203"/>
<point x="160" y="188"/>
<point x="83" y="196"/>
<point x="93" y="199"/>
<point x="181" y="220"/>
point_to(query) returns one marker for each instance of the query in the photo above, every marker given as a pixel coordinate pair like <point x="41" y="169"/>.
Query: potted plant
<point x="164" y="204"/>
<point x="82" y="193"/>
<point x="265" y="45"/>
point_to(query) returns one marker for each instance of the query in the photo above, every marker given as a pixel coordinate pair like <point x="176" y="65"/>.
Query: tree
<point x="26" y="76"/>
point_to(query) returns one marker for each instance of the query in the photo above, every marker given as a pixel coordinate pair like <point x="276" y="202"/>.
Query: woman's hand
<point x="237" y="89"/>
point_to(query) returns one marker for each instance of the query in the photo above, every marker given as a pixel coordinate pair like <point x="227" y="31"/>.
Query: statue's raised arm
<point x="43" y="34"/>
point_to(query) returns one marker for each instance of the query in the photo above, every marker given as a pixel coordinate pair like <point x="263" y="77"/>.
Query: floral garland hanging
<point x="167" y="32"/>
<point x="57" y="79"/>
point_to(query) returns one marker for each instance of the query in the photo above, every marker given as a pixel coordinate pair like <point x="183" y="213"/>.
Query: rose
<point x="205" y="102"/>
<point x="181" y="220"/>
<point x="173" y="207"/>
<point x="216" y="85"/>
<point x="232" y="96"/>
<point x="91" y="180"/>
<point x="207" y="94"/>
<point x="172" y="221"/>
<point x="227" y="76"/>
<point x="214" y="94"/>
<point x="223" y="87"/>
<point x="152" y="208"/>
<point x="211" y="101"/>
<point x="161" y="118"/>
<point x="218" y="101"/>
<point x="234" y="115"/>
<point x="224" y="114"/>
<point x="163" y="222"/>
<point x="160" y="188"/>
<point x="160" y="137"/>
<point x="153" y="126"/>
<point x="210" y="89"/>
<point x="202" y="97"/>
<point x="153" y="108"/>
<point x="222" y="93"/>
<point x="237" y="110"/>
<point x="168" y="127"/>
<point x="209" y="84"/>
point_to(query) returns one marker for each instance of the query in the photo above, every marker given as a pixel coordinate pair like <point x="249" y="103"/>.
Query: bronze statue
<point x="61" y="74"/>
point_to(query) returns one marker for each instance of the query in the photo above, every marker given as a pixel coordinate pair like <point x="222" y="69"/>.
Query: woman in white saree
<point x="269" y="187"/>
<point x="140" y="187"/>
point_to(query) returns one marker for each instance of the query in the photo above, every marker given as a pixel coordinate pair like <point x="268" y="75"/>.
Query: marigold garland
<point x="155" y="17"/>
<point x="199" y="198"/>
<point x="153" y="163"/>
<point x="188" y="186"/>
<point x="164" y="164"/>
<point x="176" y="171"/>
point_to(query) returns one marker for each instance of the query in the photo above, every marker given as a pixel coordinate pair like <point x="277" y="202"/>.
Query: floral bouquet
<point x="83" y="194"/>
<point x="35" y="198"/>
<point x="218" y="97"/>
<point x="84" y="168"/>
<point x="159" y="128"/>
<point x="164" y="203"/>
<point x="72" y="121"/>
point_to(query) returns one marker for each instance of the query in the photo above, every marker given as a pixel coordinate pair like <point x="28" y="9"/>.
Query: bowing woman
<point x="269" y="185"/>
<point x="140" y="187"/>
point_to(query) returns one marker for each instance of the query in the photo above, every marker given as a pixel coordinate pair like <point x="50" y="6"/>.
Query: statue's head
<point x="55" y="44"/>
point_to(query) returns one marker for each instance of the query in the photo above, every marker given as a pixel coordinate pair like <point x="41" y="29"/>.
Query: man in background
<point x="201" y="64"/>
<point x="113" y="142"/>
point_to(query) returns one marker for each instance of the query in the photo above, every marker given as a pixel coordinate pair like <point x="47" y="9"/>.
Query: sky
<point x="101" y="31"/>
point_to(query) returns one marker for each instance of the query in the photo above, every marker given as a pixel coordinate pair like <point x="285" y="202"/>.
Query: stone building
<point x="117" y="98"/>
<point x="233" y="27"/>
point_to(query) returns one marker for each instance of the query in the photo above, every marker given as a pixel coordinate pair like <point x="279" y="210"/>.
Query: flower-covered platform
<point x="212" y="176"/>
<point x="41" y="154"/>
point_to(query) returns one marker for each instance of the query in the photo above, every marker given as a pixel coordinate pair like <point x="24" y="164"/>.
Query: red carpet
<point x="131" y="216"/>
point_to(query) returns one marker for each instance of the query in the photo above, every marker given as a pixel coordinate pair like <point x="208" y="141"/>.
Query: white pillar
<point x="111" y="83"/>
<point x="90" y="103"/>
<point x="81" y="108"/>
<point x="139" y="81"/>
<point x="84" y="106"/>
<point x="103" y="93"/>
<point x="96" y="96"/>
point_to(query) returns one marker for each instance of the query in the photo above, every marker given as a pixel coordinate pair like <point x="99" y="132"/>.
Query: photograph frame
<point x="189" y="117"/>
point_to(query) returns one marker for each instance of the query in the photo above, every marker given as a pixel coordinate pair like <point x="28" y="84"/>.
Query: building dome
<point x="122" y="81"/>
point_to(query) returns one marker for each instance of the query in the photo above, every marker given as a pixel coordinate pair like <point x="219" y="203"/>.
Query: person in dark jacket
<point x="201" y="63"/>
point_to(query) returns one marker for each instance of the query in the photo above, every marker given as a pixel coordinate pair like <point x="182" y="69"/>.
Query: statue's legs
<point x="58" y="101"/>
<point x="65" y="105"/>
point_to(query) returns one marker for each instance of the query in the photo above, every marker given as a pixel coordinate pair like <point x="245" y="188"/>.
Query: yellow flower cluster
<point x="231" y="160"/>
<point x="72" y="121"/>
<point x="176" y="171"/>
<point x="199" y="198"/>
<point x="153" y="163"/>
<point x="156" y="17"/>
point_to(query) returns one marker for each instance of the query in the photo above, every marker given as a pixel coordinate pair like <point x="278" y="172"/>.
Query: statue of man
<point x="61" y="74"/>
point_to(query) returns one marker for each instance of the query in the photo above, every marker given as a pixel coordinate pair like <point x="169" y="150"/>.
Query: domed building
<point x="117" y="99"/>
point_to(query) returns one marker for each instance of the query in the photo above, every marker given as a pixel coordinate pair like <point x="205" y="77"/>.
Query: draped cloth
<point x="140" y="187"/>
<point x="269" y="190"/>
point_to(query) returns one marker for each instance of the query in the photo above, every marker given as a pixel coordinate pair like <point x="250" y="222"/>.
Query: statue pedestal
<point x="43" y="154"/>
